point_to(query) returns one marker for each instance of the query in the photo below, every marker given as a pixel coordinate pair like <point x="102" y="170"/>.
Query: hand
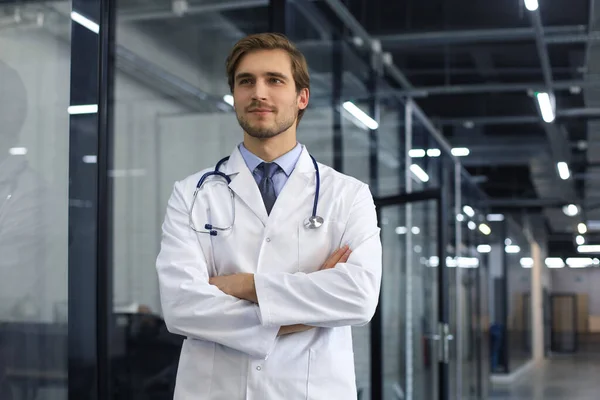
<point x="341" y="255"/>
<point x="236" y="285"/>
<point x="286" y="330"/>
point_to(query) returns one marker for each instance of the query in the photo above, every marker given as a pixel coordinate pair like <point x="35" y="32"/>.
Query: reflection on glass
<point x="34" y="127"/>
<point x="172" y="118"/>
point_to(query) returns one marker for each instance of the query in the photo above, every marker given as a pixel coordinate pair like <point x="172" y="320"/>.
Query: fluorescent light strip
<point x="579" y="262"/>
<point x="469" y="211"/>
<point x="228" y="99"/>
<point x="581" y="228"/>
<point x="545" y="106"/>
<point x="563" y="170"/>
<point x="434" y="152"/>
<point x="416" y="153"/>
<point x="83" y="109"/>
<point x="554" y="262"/>
<point x="460" y="152"/>
<point x="589" y="248"/>
<point x="360" y="115"/>
<point x="495" y="217"/>
<point x="512" y="249"/>
<point x="526" y="262"/>
<point x="90" y="159"/>
<point x="580" y="240"/>
<point x="17" y="151"/>
<point x="83" y="21"/>
<point x="531" y="5"/>
<point x="484" y="248"/>
<point x="485" y="229"/>
<point x="570" y="210"/>
<point x="419" y="173"/>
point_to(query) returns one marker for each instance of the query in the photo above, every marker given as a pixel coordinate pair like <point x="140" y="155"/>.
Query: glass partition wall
<point x="149" y="106"/>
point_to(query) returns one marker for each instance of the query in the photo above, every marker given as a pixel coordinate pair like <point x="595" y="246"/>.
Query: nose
<point x="260" y="91"/>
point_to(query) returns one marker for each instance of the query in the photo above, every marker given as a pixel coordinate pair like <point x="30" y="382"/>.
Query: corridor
<point x="563" y="377"/>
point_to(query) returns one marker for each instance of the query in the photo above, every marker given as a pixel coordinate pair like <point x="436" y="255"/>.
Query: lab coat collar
<point x="245" y="187"/>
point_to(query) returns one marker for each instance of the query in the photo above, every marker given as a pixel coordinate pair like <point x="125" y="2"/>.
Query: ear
<point x="303" y="97"/>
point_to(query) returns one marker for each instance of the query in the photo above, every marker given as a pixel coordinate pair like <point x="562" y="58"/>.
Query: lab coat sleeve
<point x="345" y="295"/>
<point x="191" y="306"/>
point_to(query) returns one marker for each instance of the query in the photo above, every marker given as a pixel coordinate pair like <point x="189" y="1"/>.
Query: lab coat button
<point x="258" y="368"/>
<point x="268" y="239"/>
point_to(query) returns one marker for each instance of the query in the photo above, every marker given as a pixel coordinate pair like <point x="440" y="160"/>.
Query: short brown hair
<point x="269" y="41"/>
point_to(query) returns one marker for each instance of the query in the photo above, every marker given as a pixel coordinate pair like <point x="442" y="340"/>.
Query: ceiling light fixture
<point x="571" y="210"/>
<point x="563" y="170"/>
<point x="419" y="173"/>
<point x="546" y="107"/>
<point x="589" y="248"/>
<point x="483" y="228"/>
<point x="416" y="153"/>
<point x="531" y="5"/>
<point x="460" y="152"/>
<point x="484" y="248"/>
<point x="86" y="22"/>
<point x="360" y="115"/>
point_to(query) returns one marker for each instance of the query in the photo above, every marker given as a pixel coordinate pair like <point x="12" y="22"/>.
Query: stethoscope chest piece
<point x="313" y="222"/>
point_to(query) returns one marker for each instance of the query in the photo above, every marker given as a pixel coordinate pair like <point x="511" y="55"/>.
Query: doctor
<point x="267" y="304"/>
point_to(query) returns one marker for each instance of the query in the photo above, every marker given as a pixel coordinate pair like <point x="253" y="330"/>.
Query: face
<point x="265" y="98"/>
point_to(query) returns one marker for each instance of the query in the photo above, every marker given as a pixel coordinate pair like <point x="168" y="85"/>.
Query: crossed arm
<point x="243" y="286"/>
<point x="248" y="312"/>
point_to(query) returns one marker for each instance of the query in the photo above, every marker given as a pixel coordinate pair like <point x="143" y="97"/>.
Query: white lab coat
<point x="232" y="351"/>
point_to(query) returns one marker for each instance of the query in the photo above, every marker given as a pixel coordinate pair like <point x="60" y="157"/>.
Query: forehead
<point x="262" y="61"/>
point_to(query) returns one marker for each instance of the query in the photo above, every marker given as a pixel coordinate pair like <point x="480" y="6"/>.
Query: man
<point x="267" y="306"/>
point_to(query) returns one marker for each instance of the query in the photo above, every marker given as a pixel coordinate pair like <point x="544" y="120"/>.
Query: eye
<point x="276" y="80"/>
<point x="244" y="81"/>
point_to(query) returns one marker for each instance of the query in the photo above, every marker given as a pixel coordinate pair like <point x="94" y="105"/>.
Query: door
<point x="564" y="323"/>
<point x="409" y="332"/>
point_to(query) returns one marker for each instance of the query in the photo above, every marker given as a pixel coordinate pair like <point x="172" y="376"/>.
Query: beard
<point x="256" y="130"/>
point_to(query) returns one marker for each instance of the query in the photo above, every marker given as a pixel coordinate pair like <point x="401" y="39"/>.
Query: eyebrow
<point x="244" y="75"/>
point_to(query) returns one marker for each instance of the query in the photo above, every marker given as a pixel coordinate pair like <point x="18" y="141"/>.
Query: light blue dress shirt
<point x="286" y="162"/>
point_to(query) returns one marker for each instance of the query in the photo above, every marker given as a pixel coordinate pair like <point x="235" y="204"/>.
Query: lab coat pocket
<point x="316" y="245"/>
<point x="194" y="376"/>
<point x="331" y="375"/>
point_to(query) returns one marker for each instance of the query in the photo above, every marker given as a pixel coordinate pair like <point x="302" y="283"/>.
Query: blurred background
<point x="473" y="122"/>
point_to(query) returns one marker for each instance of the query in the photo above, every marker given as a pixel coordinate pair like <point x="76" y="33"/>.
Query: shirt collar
<point x="286" y="162"/>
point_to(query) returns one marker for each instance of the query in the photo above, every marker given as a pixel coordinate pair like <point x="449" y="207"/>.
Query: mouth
<point x="260" y="111"/>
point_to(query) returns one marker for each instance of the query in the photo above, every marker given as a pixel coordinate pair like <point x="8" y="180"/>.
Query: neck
<point x="272" y="148"/>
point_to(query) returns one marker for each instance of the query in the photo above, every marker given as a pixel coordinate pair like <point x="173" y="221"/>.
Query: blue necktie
<point x="266" y="187"/>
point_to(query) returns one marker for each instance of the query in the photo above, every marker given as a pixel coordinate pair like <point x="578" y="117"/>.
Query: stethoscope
<point x="312" y="222"/>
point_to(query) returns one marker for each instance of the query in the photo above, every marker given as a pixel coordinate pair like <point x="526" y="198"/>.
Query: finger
<point x="335" y="257"/>
<point x="345" y="256"/>
<point x="332" y="259"/>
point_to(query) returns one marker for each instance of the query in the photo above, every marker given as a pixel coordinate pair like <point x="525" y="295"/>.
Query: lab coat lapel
<point x="294" y="194"/>
<point x="244" y="186"/>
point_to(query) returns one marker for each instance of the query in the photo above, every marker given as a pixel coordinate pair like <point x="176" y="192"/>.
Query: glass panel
<point x="171" y="120"/>
<point x="391" y="136"/>
<point x="519" y="300"/>
<point x="471" y="304"/>
<point x="393" y="300"/>
<point x="423" y="290"/>
<point x="34" y="156"/>
<point x="356" y="115"/>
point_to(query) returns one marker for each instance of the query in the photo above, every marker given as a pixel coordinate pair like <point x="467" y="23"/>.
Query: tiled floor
<point x="572" y="377"/>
